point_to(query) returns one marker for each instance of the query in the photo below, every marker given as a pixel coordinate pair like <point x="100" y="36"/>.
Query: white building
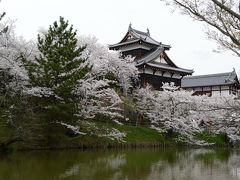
<point x="222" y="84"/>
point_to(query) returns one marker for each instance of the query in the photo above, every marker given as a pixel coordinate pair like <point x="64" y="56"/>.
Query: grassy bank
<point x="60" y="137"/>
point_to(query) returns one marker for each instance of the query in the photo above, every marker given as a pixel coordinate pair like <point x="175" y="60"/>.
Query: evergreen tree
<point x="5" y="29"/>
<point x="58" y="67"/>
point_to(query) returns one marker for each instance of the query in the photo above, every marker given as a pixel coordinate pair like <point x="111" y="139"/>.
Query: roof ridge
<point x="140" y="32"/>
<point x="207" y="75"/>
<point x="142" y="35"/>
<point x="209" y="80"/>
<point x="230" y="74"/>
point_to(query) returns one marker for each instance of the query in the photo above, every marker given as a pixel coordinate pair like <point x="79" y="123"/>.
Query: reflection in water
<point x="74" y="170"/>
<point x="111" y="162"/>
<point x="147" y="164"/>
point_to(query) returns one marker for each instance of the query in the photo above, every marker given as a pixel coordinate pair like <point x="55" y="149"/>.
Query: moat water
<point x="130" y="164"/>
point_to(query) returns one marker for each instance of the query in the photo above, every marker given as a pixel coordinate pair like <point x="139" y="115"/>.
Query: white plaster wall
<point x="225" y="93"/>
<point x="167" y="74"/>
<point x="149" y="71"/>
<point x="215" y="88"/>
<point x="197" y="89"/>
<point x="162" y="60"/>
<point x="206" y="88"/>
<point x="158" y="73"/>
<point x="224" y="87"/>
<point x="189" y="89"/>
<point x="177" y="76"/>
<point x="215" y="93"/>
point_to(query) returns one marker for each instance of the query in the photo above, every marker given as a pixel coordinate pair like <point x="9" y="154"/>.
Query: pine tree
<point x="58" y="67"/>
<point x="5" y="29"/>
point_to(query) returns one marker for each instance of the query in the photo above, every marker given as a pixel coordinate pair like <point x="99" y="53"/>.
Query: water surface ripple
<point x="131" y="164"/>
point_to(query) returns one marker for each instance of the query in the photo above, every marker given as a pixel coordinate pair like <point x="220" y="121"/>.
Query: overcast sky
<point x="108" y="20"/>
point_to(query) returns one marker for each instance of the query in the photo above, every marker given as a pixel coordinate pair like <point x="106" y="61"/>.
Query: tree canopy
<point x="59" y="65"/>
<point x="222" y="17"/>
<point x="55" y="72"/>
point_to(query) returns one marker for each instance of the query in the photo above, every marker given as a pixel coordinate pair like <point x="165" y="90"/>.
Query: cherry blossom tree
<point x="109" y="73"/>
<point x="222" y="18"/>
<point x="13" y="79"/>
<point x="100" y="89"/>
<point x="12" y="47"/>
<point x="174" y="110"/>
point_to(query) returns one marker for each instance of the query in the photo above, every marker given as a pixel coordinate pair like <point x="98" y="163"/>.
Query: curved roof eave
<point x="182" y="70"/>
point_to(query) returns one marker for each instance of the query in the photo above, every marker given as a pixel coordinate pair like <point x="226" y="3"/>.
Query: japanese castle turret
<point x="151" y="59"/>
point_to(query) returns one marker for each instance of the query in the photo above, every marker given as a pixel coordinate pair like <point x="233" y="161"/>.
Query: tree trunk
<point x="6" y="144"/>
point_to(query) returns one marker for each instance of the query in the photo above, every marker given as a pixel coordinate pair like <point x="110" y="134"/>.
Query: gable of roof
<point x="210" y="80"/>
<point x="169" y="66"/>
<point x="156" y="49"/>
<point x="150" y="56"/>
<point x="140" y="35"/>
<point x="155" y="54"/>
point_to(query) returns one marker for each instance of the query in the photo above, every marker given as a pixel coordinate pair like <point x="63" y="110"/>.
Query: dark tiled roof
<point x="155" y="54"/>
<point x="156" y="46"/>
<point x="140" y="35"/>
<point x="209" y="80"/>
<point x="163" y="66"/>
<point x="144" y="36"/>
<point x="141" y="32"/>
<point x="150" y="56"/>
<point x="124" y="43"/>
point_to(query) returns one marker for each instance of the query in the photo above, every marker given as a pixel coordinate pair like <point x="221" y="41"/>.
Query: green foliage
<point x="221" y="154"/>
<point x="138" y="134"/>
<point x="58" y="69"/>
<point x="142" y="134"/>
<point x="219" y="139"/>
<point x="111" y="76"/>
<point x="5" y="131"/>
<point x="61" y="112"/>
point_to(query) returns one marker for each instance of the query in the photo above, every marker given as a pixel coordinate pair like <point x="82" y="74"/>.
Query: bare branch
<point x="217" y="14"/>
<point x="221" y="5"/>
